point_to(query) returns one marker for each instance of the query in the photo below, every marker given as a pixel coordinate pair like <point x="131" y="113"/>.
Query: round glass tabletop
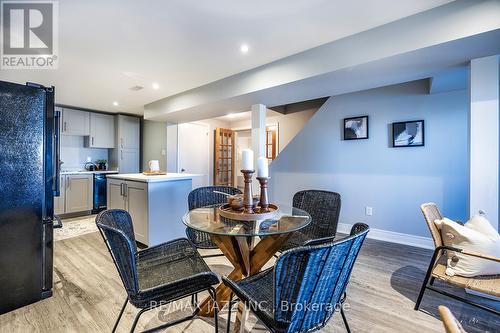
<point x="207" y="219"/>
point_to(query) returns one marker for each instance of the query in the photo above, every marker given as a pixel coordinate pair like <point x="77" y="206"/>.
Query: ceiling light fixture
<point x="115" y="103"/>
<point x="244" y="48"/>
<point x="155" y="86"/>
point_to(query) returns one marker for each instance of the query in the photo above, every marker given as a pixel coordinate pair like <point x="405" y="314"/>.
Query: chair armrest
<point x="469" y="253"/>
<point x="480" y="255"/>
<point x="235" y="289"/>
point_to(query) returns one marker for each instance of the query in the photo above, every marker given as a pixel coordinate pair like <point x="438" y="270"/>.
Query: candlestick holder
<point x="263" y="201"/>
<point x="247" y="193"/>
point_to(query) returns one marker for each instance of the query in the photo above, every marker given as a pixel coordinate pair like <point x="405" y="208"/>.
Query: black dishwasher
<point x="99" y="192"/>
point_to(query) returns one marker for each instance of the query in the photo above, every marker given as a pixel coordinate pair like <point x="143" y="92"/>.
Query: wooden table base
<point x="247" y="261"/>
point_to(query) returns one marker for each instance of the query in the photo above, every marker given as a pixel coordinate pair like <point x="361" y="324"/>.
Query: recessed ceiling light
<point x="115" y="103"/>
<point x="244" y="48"/>
<point x="155" y="86"/>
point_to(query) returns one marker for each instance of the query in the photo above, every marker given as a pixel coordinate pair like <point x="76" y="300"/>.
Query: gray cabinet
<point x="126" y="156"/>
<point x="132" y="197"/>
<point x="102" y="131"/>
<point x="76" y="194"/>
<point x="114" y="193"/>
<point x="128" y="161"/>
<point x="128" y="132"/>
<point x="79" y="193"/>
<point x="75" y="122"/>
<point x="59" y="201"/>
<point x="137" y="206"/>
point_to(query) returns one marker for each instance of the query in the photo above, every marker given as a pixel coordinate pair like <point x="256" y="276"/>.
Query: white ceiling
<point x="106" y="47"/>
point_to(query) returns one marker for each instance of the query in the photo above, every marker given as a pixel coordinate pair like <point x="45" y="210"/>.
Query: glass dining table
<point x="248" y="245"/>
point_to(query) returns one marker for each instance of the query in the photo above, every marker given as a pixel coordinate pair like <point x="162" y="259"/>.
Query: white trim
<point x="393" y="237"/>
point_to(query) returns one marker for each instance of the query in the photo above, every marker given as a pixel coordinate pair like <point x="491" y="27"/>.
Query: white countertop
<point x="85" y="172"/>
<point x="139" y="177"/>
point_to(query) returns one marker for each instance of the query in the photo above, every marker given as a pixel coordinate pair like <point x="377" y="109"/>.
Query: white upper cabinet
<point x="102" y="131"/>
<point x="75" y="122"/>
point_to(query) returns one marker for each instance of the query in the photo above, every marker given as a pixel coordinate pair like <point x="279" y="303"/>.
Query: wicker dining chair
<point x="205" y="196"/>
<point x="156" y="275"/>
<point x="489" y="285"/>
<point x="305" y="287"/>
<point x="324" y="208"/>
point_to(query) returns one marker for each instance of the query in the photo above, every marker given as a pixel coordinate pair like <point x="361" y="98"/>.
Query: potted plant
<point x="101" y="164"/>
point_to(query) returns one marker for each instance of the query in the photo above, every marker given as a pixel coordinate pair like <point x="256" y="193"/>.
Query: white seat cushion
<point x="466" y="237"/>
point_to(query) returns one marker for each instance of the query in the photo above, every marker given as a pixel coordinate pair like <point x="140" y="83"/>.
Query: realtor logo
<point x="29" y="34"/>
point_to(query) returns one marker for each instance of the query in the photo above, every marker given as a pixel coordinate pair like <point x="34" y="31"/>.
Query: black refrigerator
<point x="29" y="180"/>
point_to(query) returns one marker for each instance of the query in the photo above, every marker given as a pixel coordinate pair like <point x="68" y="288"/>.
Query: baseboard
<point x="393" y="237"/>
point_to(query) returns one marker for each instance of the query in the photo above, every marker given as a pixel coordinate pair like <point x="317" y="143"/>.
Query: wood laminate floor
<point x="88" y="295"/>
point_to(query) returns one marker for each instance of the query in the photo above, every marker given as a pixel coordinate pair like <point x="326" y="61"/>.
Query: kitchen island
<point x="155" y="203"/>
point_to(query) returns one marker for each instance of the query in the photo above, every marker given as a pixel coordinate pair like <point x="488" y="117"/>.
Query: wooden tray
<point x="226" y="211"/>
<point x="154" y="173"/>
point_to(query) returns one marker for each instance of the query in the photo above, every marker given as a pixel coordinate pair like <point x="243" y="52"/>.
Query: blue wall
<point x="394" y="181"/>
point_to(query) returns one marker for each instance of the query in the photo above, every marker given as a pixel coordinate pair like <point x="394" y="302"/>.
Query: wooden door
<point x="270" y="143"/>
<point x="224" y="157"/>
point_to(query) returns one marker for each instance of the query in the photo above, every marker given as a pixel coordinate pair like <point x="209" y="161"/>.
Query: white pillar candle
<point x="262" y="167"/>
<point x="247" y="159"/>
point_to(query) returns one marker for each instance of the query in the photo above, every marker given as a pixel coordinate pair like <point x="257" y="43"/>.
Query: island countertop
<point x="139" y="177"/>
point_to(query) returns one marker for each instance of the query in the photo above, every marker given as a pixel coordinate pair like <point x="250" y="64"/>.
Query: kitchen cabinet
<point x="137" y="206"/>
<point x="128" y="132"/>
<point x="102" y="131"/>
<point x="115" y="197"/>
<point x="156" y="204"/>
<point x="125" y="157"/>
<point x="128" y="161"/>
<point x="78" y="193"/>
<point x="75" y="122"/>
<point x="133" y="197"/>
<point x="59" y="201"/>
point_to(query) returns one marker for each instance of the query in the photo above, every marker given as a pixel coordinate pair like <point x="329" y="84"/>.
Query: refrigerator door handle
<point x="57" y="155"/>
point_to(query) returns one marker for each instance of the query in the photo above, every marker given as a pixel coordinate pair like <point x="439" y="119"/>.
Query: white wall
<point x="74" y="154"/>
<point x="394" y="181"/>
<point x="484" y="136"/>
